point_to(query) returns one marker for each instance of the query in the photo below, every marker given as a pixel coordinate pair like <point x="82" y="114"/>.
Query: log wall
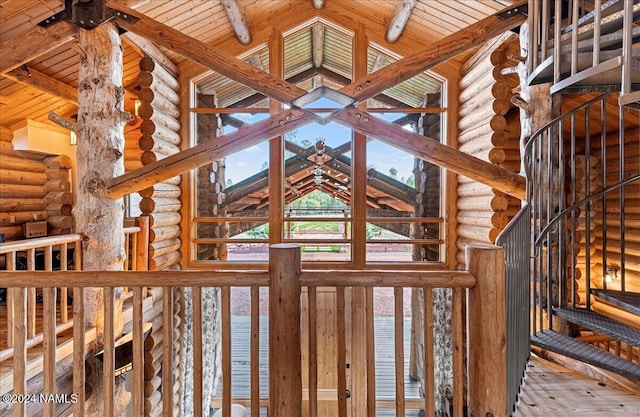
<point x="33" y="186"/>
<point x="489" y="127"/>
<point x="159" y="129"/>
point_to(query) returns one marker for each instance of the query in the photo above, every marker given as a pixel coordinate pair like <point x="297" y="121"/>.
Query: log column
<point x="101" y="119"/>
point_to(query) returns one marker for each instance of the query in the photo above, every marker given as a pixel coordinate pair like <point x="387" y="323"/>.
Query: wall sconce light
<point x="612" y="274"/>
<point x="136" y="106"/>
<point x="73" y="138"/>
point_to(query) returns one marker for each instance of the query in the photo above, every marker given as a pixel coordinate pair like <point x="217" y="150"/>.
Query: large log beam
<point x="212" y="58"/>
<point x="148" y="48"/>
<point x="23" y="48"/>
<point x="207" y="152"/>
<point x="34" y="78"/>
<point x="237" y="20"/>
<point x="433" y="151"/>
<point x="317" y="42"/>
<point x="434" y="54"/>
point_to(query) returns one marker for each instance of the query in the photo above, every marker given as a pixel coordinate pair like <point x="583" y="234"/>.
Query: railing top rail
<point x="132" y="229"/>
<point x="39" y="242"/>
<point x="313" y="278"/>
<point x="502" y="237"/>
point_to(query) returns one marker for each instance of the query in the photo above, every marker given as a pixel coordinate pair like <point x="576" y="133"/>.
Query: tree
<point x="393" y="172"/>
<point x="264" y="166"/>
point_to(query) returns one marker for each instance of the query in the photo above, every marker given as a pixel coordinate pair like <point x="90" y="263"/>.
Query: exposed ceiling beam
<point x="204" y="153"/>
<point x="317" y="41"/>
<point x="146" y="47"/>
<point x="434" y="54"/>
<point x="212" y="58"/>
<point x="237" y="20"/>
<point x="318" y="4"/>
<point x="34" y="78"/>
<point x="25" y="47"/>
<point x="433" y="151"/>
<point x="400" y="19"/>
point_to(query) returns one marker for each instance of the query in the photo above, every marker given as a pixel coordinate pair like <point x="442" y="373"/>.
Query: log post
<point x="486" y="333"/>
<point x="101" y="119"/>
<point x="285" y="367"/>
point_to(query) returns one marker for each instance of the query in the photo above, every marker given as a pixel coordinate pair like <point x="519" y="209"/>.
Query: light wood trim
<point x="109" y="356"/>
<point x="371" y="353"/>
<point x="196" y="294"/>
<point x="78" y="350"/>
<point x="341" y="351"/>
<point x="313" y="352"/>
<point x="366" y="278"/>
<point x="20" y="348"/>
<point x="285" y="368"/>
<point x="164" y="169"/>
<point x="49" y="337"/>
<point x="428" y="382"/>
<point x="486" y="332"/>
<point x="167" y="351"/>
<point x="433" y="151"/>
<point x="7" y="354"/>
<point x="434" y="54"/>
<point x="37" y="243"/>
<point x="398" y="299"/>
<point x="215" y="59"/>
<point x="38" y="41"/>
<point x="138" y="353"/>
<point x="225" y="296"/>
<point x="255" y="352"/>
<point x="458" y="351"/>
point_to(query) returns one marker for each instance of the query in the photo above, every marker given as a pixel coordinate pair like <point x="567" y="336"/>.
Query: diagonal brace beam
<point x="433" y="151"/>
<point x="207" y="152"/>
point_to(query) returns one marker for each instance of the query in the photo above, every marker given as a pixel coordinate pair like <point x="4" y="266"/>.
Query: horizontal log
<point x="165" y="246"/>
<point x="157" y="205"/>
<point x="20" y="191"/>
<point x="482" y="203"/>
<point x="130" y="165"/>
<point x="22" y="164"/>
<point x="148" y="127"/>
<point x="162" y="190"/>
<point x="152" y="385"/>
<point x="58" y="185"/>
<point x="479" y="73"/>
<point x="481" y="136"/>
<point x="22" y="204"/>
<point x="63" y="222"/>
<point x="160" y="103"/>
<point x="164" y="233"/>
<point x="157" y="145"/>
<point x="499" y="106"/>
<point x="164" y="219"/>
<point x="58" y="161"/>
<point x="22" y="177"/>
<point x="478" y="233"/>
<point x="6" y="134"/>
<point x="149" y="157"/>
<point x="484" y="116"/>
<point x="58" y="174"/>
<point x="17" y="217"/>
<point x="484" y="219"/>
<point x="11" y="232"/>
<point x="147" y="64"/>
<point x="472" y="189"/>
<point x="59" y="197"/>
<point x="156" y="89"/>
<point x="160" y="119"/>
<point x="164" y="261"/>
<point x="497" y="89"/>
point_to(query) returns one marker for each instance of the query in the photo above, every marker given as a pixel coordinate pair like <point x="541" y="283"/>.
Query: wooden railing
<point x="285" y="280"/>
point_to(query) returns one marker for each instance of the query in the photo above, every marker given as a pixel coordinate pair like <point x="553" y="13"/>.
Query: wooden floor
<point x="552" y="390"/>
<point x="385" y="373"/>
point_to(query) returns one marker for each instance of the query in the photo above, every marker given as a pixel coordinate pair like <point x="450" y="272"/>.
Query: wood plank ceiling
<point x="207" y="21"/>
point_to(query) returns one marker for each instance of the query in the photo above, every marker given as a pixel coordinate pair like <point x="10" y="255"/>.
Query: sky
<point x="249" y="161"/>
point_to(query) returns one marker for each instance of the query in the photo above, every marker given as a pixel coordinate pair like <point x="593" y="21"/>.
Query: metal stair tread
<point x="572" y="348"/>
<point x="630" y="301"/>
<point x="601" y="324"/>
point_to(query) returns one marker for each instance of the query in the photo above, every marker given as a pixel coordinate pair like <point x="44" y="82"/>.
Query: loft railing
<point x="579" y="187"/>
<point x="516" y="241"/>
<point x="485" y="330"/>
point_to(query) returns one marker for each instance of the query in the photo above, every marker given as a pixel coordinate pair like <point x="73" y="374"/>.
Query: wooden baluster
<point x="64" y="310"/>
<point x="127" y="251"/>
<point x="109" y="357"/>
<point x="313" y="353"/>
<point x="31" y="297"/>
<point x="398" y="296"/>
<point x="225" y="297"/>
<point x="138" y="353"/>
<point x="167" y="354"/>
<point x="20" y="348"/>
<point x="197" y="350"/>
<point x="11" y="266"/>
<point x="78" y="346"/>
<point x="49" y="336"/>
<point x="371" y="354"/>
<point x="342" y="351"/>
<point x="255" y="351"/>
<point x="429" y="397"/>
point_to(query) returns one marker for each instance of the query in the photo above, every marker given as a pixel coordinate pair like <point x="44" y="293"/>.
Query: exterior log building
<point x="316" y="207"/>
